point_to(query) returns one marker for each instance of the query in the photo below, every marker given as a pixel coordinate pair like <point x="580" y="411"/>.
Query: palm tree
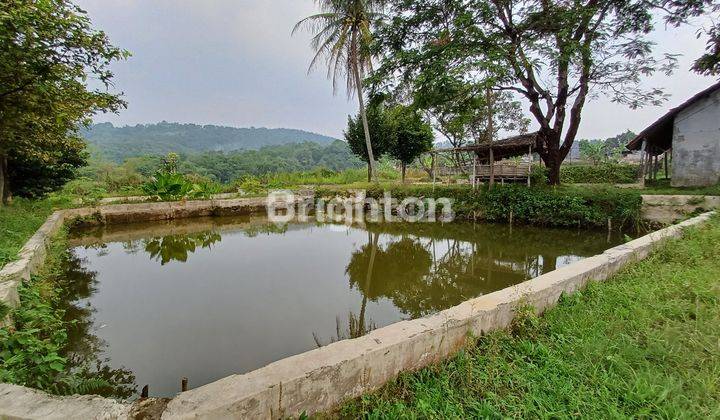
<point x="342" y="35"/>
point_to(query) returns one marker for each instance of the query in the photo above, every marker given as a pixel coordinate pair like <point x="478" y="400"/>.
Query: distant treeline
<point x="119" y="143"/>
<point x="227" y="167"/>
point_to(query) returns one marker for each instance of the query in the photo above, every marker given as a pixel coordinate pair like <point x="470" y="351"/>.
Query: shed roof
<point x="660" y="133"/>
<point x="508" y="147"/>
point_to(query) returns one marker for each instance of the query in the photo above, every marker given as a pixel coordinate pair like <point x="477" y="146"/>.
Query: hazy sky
<point x="233" y="62"/>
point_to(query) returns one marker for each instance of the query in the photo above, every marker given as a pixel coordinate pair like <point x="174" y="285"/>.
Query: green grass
<point x="18" y="222"/>
<point x="662" y="186"/>
<point x="646" y="343"/>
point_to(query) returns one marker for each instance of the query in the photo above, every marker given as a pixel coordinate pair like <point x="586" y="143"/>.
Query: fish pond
<point x="207" y="298"/>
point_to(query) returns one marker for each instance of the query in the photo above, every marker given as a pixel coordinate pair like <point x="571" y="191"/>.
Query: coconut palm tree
<point x="341" y="36"/>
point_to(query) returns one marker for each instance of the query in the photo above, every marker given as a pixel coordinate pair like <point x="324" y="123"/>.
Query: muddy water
<point x="208" y="298"/>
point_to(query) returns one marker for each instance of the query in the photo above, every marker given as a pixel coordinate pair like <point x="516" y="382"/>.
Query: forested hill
<point x="118" y="143"/>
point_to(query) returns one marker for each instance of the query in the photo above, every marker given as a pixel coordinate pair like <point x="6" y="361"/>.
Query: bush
<point x="168" y="186"/>
<point x="604" y="173"/>
<point x="546" y="206"/>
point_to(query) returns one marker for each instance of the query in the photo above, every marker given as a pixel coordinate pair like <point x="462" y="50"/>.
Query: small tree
<point x="411" y="135"/>
<point x="381" y="133"/>
<point x="593" y="151"/>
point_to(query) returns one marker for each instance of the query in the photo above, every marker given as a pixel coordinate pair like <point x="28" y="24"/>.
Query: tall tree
<point x="342" y="36"/>
<point x="48" y="51"/>
<point x="380" y="129"/>
<point x="550" y="53"/>
<point x="411" y="135"/>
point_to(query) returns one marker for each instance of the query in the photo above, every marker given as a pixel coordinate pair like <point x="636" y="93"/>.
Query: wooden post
<point x="474" y="173"/>
<point x="642" y="161"/>
<point x="432" y="165"/>
<point x="530" y="162"/>
<point x="656" y="167"/>
<point x="666" y="165"/>
<point x="492" y="168"/>
<point x="184" y="384"/>
<point x="490" y="128"/>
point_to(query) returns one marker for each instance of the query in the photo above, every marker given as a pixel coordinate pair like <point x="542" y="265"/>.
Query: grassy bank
<point x="19" y="221"/>
<point x="542" y="206"/>
<point x="643" y="344"/>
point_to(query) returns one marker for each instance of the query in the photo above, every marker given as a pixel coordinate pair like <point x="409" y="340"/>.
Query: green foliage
<point x="48" y="52"/>
<point x="117" y="144"/>
<point x="559" y="206"/>
<point x="18" y="221"/>
<point x="544" y="52"/>
<point x="381" y="132"/>
<point x="31" y="354"/>
<point x="171" y="186"/>
<point x="606" y="173"/>
<point x="34" y="352"/>
<point x="228" y="167"/>
<point x="411" y="137"/>
<point x="642" y="345"/>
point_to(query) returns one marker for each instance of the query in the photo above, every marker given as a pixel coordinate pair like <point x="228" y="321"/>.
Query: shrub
<point x="604" y="173"/>
<point x="546" y="206"/>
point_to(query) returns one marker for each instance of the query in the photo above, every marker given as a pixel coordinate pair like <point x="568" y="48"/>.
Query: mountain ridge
<point x="118" y="143"/>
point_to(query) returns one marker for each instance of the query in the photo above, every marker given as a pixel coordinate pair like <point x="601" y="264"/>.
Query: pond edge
<point x="320" y="379"/>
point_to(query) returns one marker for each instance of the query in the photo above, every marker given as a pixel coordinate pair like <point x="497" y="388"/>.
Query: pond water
<point x="207" y="298"/>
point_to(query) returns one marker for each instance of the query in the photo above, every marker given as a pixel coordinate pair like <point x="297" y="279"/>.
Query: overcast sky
<point x="233" y="62"/>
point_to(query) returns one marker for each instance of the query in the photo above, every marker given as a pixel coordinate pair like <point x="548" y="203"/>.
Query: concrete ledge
<point x="321" y="379"/>
<point x="667" y="209"/>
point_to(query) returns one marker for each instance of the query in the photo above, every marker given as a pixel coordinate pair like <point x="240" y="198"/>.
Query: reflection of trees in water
<point x="178" y="247"/>
<point x="84" y="349"/>
<point x="266" y="228"/>
<point x="418" y="281"/>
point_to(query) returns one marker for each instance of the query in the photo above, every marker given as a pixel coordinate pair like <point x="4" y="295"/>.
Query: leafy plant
<point x="168" y="186"/>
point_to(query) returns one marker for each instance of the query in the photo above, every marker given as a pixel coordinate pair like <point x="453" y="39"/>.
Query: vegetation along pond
<point x="207" y="298"/>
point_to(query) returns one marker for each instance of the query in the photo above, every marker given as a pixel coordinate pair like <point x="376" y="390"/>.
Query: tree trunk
<point x="403" y="171"/>
<point x="4" y="191"/>
<point x="363" y="114"/>
<point x="369" y="172"/>
<point x="552" y="163"/>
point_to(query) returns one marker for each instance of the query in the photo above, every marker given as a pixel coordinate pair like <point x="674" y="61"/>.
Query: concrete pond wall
<point x="316" y="380"/>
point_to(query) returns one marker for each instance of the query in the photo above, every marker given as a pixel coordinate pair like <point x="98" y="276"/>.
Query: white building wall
<point x="696" y="144"/>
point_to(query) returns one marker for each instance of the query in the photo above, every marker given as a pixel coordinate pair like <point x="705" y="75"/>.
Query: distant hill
<point x="118" y="143"/>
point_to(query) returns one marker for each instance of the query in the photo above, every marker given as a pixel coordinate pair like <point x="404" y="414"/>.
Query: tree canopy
<point x="48" y="52"/>
<point x="411" y="135"/>
<point x="552" y="54"/>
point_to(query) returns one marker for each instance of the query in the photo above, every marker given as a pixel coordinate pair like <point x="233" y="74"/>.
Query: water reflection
<point x="211" y="297"/>
<point x="84" y="351"/>
<point x="177" y="247"/>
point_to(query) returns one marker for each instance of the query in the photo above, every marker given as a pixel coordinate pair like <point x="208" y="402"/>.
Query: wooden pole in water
<point x="184" y="384"/>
